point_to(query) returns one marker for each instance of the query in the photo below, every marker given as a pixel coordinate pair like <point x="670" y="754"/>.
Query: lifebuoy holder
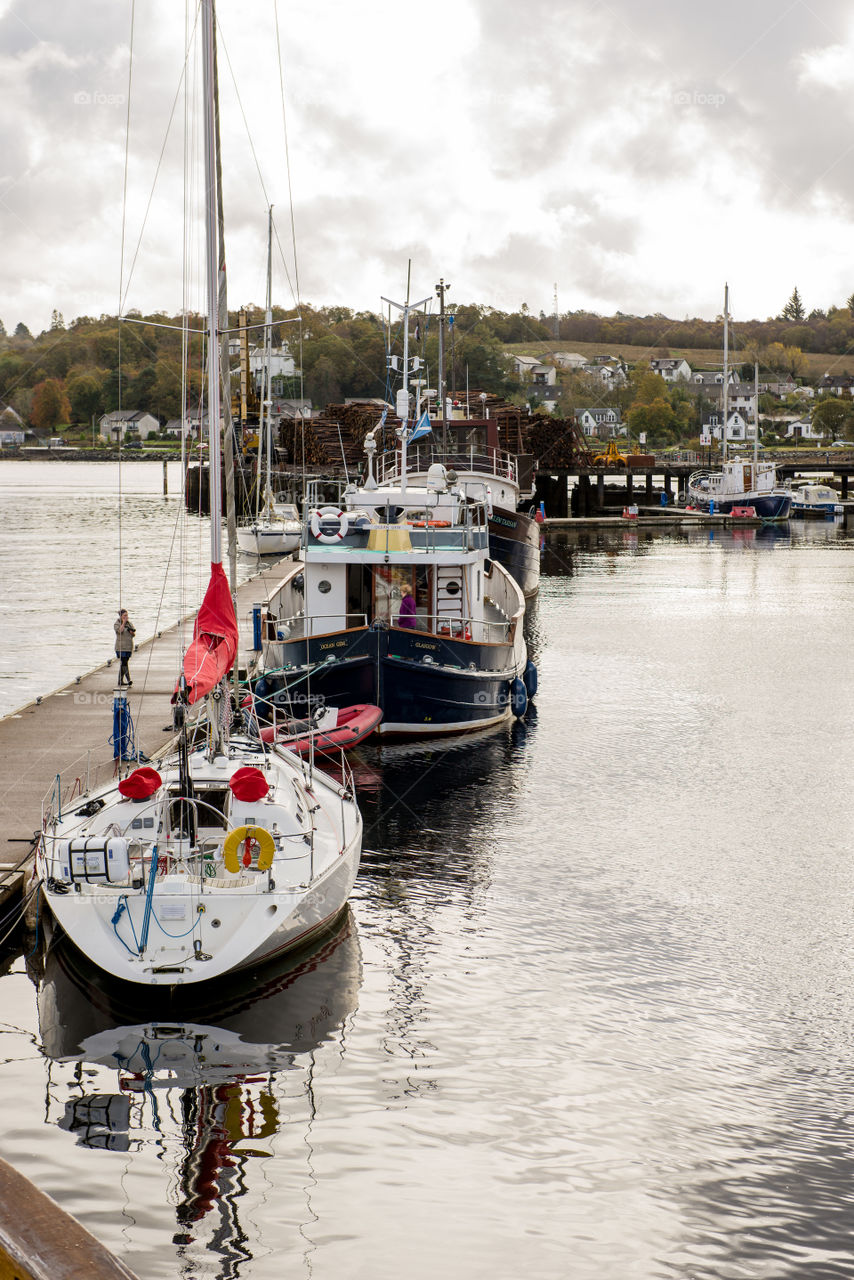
<point x="323" y="514"/>
<point x="247" y="836"/>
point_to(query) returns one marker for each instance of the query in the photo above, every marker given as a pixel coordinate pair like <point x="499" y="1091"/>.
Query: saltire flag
<point x="423" y="427"/>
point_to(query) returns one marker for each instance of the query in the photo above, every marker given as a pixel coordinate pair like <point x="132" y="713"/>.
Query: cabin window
<point x="391" y="583"/>
<point x="324" y="586"/>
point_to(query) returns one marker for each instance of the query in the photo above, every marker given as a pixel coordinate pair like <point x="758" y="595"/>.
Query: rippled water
<point x="591" y="1013"/>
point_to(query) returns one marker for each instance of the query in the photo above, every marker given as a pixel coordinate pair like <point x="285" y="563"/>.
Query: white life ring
<point x="329" y="513"/>
<point x="489" y="502"/>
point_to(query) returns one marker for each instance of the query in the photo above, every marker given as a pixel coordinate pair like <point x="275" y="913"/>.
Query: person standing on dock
<point x="125" y="632"/>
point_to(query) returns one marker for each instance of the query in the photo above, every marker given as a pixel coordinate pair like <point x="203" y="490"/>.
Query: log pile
<point x="557" y="443"/>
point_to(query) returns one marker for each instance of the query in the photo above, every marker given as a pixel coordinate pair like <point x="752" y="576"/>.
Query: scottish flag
<point x="423" y="427"/>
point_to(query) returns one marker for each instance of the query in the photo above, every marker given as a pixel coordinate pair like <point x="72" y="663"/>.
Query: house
<point x="780" y="387"/>
<point x="672" y="370"/>
<point x="531" y="369"/>
<point x="710" y="378"/>
<point x="291" y="408"/>
<point x="121" y="423"/>
<point x="174" y="426"/>
<point x="282" y="367"/>
<point x="611" y="375"/>
<point x="741" y="397"/>
<point x="738" y="427"/>
<point x="602" y="421"/>
<point x="542" y="395"/>
<point x="836" y="385"/>
<point x="570" y="360"/>
<point x="803" y="429"/>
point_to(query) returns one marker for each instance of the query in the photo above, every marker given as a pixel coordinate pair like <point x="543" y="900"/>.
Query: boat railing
<point x="299" y="626"/>
<point x="492" y="462"/>
<point x="451" y="627"/>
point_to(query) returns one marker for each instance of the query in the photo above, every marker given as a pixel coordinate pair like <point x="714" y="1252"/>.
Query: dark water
<point x="591" y="1013"/>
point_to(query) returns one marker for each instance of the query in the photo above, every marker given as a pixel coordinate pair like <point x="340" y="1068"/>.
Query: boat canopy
<point x="214" y="648"/>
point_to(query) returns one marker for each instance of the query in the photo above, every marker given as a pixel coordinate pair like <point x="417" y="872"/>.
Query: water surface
<point x="591" y="1012"/>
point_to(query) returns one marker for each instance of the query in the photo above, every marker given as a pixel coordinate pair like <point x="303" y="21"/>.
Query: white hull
<point x="199" y="920"/>
<point x="266" y="540"/>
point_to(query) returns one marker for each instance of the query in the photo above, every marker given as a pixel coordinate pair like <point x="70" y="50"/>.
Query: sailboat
<point x="231" y="850"/>
<point x="740" y="482"/>
<point x="274" y="531"/>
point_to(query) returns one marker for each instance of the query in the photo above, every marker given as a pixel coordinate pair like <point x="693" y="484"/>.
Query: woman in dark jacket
<point x="125" y="632"/>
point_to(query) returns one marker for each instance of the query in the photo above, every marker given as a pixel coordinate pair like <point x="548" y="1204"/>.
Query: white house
<point x="602" y="421"/>
<point x="671" y="370"/>
<point x="803" y="429"/>
<point x="123" y="422"/>
<point x="738" y="427"/>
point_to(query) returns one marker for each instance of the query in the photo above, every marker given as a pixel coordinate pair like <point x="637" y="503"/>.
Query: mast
<point x="440" y="289"/>
<point x="268" y="355"/>
<point x="726" y="370"/>
<point x="212" y="263"/>
<point x="402" y="405"/>
<point x="755" y="416"/>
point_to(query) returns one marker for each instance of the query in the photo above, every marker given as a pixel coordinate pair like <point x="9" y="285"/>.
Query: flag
<point x="423" y="427"/>
<point x="381" y="422"/>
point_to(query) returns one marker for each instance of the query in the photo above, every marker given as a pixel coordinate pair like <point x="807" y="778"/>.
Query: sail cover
<point x="214" y="648"/>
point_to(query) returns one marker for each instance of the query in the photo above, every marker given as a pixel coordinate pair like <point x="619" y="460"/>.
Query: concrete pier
<point x="68" y="731"/>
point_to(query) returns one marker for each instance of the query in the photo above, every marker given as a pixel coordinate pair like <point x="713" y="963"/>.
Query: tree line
<point x="75" y="372"/>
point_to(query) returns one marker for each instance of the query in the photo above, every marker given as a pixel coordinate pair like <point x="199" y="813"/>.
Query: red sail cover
<point x="214" y="648"/>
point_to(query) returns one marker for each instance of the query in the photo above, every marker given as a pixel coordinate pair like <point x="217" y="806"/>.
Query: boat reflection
<point x="208" y="1080"/>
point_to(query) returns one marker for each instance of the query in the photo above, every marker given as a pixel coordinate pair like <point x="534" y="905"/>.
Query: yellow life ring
<point x="326" y="514"/>
<point x="258" y="835"/>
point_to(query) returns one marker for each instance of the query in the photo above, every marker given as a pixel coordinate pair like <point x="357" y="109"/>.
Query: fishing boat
<point x="739" y="482"/>
<point x="230" y="850"/>
<point x="816" y="500"/>
<point x="274" y="531"/>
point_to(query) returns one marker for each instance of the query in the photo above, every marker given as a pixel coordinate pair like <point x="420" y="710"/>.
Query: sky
<point x="632" y="155"/>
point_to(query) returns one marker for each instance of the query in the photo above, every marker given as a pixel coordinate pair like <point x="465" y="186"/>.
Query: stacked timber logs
<point x="557" y="443"/>
<point x="331" y="441"/>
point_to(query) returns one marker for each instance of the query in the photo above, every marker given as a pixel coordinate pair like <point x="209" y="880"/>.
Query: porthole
<point x="324" y="586"/>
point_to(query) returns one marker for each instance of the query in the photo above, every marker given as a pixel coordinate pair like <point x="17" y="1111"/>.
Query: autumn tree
<point x="832" y="415"/>
<point x="50" y="405"/>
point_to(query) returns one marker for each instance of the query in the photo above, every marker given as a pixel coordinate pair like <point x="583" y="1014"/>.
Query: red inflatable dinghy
<point x="336" y="728"/>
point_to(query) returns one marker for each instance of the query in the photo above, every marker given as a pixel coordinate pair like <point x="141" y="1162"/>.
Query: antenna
<point x="557" y="317"/>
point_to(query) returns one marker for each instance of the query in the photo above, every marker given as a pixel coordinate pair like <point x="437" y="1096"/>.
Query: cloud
<point x="636" y="155"/>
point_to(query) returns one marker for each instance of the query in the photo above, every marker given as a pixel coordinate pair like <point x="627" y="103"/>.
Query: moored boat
<point x="816" y="500"/>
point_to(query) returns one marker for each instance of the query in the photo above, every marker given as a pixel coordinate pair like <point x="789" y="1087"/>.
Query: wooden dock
<point x="68" y="731"/>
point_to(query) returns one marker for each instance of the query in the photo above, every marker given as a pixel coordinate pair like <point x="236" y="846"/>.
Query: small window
<point x="324" y="586"/>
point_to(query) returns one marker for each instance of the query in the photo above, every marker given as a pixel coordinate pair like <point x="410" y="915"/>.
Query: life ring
<point x="431" y="524"/>
<point x="248" y="835"/>
<point x="329" y="513"/>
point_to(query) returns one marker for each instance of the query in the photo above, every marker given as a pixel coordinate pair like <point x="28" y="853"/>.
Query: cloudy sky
<point x="635" y="153"/>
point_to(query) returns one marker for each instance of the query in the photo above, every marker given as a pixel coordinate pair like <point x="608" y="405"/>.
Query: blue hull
<point x="771" y="506"/>
<point x="424" y="684"/>
<point x="514" y="541"/>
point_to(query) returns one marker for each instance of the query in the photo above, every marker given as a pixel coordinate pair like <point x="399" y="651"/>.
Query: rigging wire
<point x="121" y="281"/>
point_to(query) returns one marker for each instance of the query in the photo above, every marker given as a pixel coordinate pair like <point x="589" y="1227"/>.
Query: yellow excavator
<point x="611" y="457"/>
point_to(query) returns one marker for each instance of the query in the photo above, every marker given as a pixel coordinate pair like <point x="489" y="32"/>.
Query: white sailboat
<point x="273" y="532"/>
<point x="739" y="483"/>
<point x="230" y="851"/>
